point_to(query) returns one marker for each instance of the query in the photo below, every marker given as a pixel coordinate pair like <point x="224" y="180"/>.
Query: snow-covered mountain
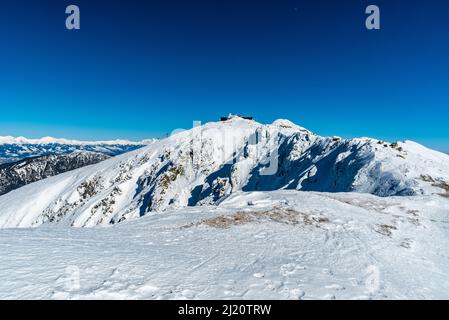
<point x="17" y="174"/>
<point x="205" y="165"/>
<point x="14" y="149"/>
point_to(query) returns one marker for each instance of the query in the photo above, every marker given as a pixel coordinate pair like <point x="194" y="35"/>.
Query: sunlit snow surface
<point x="194" y="216"/>
<point x="275" y="245"/>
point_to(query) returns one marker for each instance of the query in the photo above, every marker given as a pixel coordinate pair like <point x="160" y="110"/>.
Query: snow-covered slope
<point x="14" y="149"/>
<point x="205" y="165"/>
<point x="17" y="174"/>
<point x="261" y="245"/>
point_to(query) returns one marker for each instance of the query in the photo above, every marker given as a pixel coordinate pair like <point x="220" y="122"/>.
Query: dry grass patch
<point x="224" y="222"/>
<point x="406" y="243"/>
<point x="385" y="229"/>
<point x="279" y="215"/>
<point x="442" y="185"/>
<point x="438" y="183"/>
<point x="426" y="178"/>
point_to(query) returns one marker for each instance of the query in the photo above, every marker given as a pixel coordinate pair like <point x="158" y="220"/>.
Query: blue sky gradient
<point x="139" y="69"/>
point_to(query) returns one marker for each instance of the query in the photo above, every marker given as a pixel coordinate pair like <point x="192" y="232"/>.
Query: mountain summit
<point x="205" y="165"/>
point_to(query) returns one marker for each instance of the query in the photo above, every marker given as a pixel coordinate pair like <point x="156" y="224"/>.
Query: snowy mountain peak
<point x="287" y="124"/>
<point x="207" y="164"/>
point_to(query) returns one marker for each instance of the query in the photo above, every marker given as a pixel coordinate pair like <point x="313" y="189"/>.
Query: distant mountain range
<point x="207" y="164"/>
<point x="14" y="149"/>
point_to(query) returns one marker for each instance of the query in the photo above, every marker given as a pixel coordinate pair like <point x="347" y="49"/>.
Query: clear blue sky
<point x="139" y="69"/>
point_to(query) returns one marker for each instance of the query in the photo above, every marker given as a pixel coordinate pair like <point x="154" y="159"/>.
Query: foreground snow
<point x="276" y="245"/>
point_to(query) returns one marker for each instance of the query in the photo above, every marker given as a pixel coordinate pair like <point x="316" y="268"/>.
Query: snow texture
<point x="259" y="245"/>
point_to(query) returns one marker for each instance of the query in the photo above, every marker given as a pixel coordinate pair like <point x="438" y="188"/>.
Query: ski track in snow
<point x="178" y="255"/>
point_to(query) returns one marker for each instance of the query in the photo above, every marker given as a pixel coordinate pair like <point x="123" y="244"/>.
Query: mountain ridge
<point x="51" y="140"/>
<point x="13" y="149"/>
<point x="18" y="174"/>
<point x="206" y="164"/>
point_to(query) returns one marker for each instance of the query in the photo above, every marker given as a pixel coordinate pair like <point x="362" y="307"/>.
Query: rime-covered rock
<point x="18" y="174"/>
